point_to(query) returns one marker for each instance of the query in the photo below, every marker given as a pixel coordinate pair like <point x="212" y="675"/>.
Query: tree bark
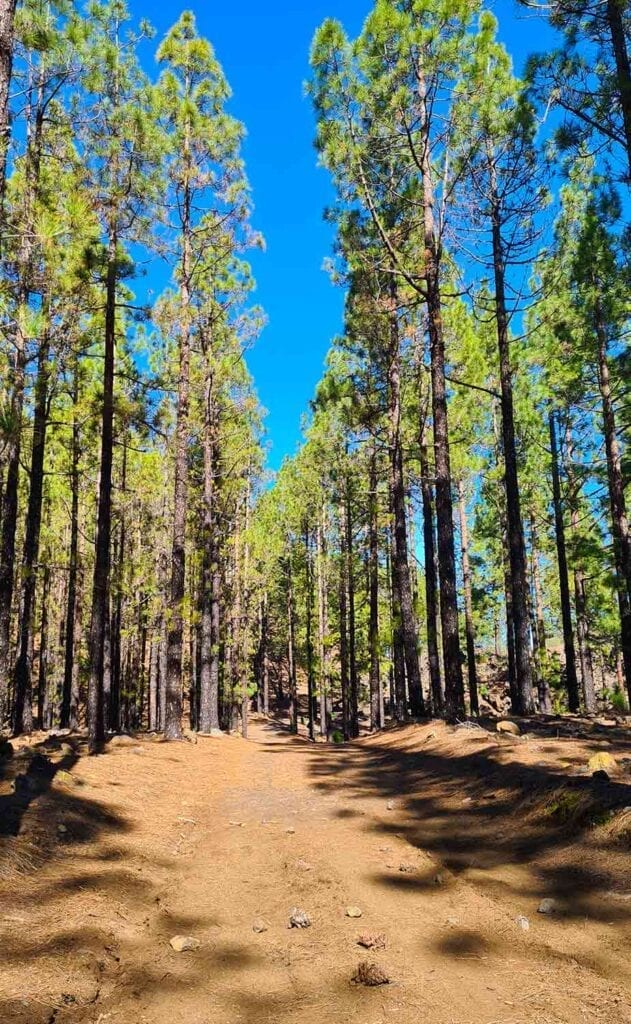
<point x="68" y="718"/>
<point x="614" y="11"/>
<point x="564" y="584"/>
<point x="291" y="652"/>
<point x="524" y="704"/>
<point x="209" y="637"/>
<point x="468" y="603"/>
<point x="101" y="578"/>
<point x="402" y="586"/>
<point x="23" y="714"/>
<point x="7" y="22"/>
<point x="539" y="628"/>
<point x="309" y="601"/>
<point x="343" y="603"/>
<point x="431" y="581"/>
<point x="352" y="638"/>
<point x="617" y="502"/>
<point x="323" y="622"/>
<point x="454" y="687"/>
<point x="376" y="688"/>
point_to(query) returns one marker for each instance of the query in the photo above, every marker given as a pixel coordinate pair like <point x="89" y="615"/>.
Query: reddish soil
<point x="442" y="837"/>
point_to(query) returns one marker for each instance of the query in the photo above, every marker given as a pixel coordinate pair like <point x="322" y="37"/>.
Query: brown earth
<point x="442" y="837"/>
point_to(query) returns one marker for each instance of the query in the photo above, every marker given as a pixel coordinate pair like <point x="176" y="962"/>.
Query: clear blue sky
<point x="264" y="49"/>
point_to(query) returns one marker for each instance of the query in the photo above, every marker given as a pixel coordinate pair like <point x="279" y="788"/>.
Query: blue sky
<point x="264" y="49"/>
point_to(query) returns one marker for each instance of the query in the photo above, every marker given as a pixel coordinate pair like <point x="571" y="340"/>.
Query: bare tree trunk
<point x="7" y="19"/>
<point x="73" y="562"/>
<point x="291" y="651"/>
<point x="615" y="22"/>
<point x="431" y="581"/>
<point x="619" y="520"/>
<point x="23" y="720"/>
<point x="399" y="702"/>
<point x="352" y="640"/>
<point x="101" y="579"/>
<point x="454" y="687"/>
<point x="468" y="602"/>
<point x="524" y="704"/>
<point x="209" y="639"/>
<point x="376" y="688"/>
<point x="309" y="628"/>
<point x="564" y="584"/>
<point x="539" y="628"/>
<point x="343" y="603"/>
<point x="323" y="624"/>
<point x="402" y="587"/>
<point x="580" y="597"/>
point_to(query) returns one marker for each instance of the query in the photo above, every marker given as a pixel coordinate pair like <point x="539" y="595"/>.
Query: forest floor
<point x="444" y="839"/>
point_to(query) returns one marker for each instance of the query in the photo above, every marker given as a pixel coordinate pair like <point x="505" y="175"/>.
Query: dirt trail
<point x="203" y="839"/>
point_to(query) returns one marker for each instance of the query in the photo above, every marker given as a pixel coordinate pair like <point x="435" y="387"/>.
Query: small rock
<point x="67" y="750"/>
<point x="601" y="776"/>
<point x="439" y="879"/>
<point x="510" y="728"/>
<point x="190" y="735"/>
<point x="407" y="869"/>
<point x="606" y="723"/>
<point x="370" y="941"/>
<point x="298" y="918"/>
<point x="353" y="912"/>
<point x="547" y="906"/>
<point x="390" y="805"/>
<point x="64" y="778"/>
<point x="370" y="974"/>
<point x="290" y="831"/>
<point x="602" y="761"/>
<point x="184" y="943"/>
<point x="62" y="829"/>
<point x="523" y="923"/>
<point x="237" y="824"/>
<point x="302" y="865"/>
<point x="453" y="922"/>
<point x="259" y="926"/>
<point x="123" y="740"/>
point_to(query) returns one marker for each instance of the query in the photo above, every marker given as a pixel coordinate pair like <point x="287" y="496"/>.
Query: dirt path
<point x="203" y="839"/>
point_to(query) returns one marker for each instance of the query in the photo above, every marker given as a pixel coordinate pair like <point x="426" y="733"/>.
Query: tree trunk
<point x="209" y="638"/>
<point x="343" y="603"/>
<point x="68" y="719"/>
<point x="323" y="624"/>
<point x="564" y="583"/>
<point x="291" y="652"/>
<point x="619" y="521"/>
<point x="101" y="579"/>
<point x="468" y="602"/>
<point x="427" y="495"/>
<point x="352" y="639"/>
<point x="309" y="628"/>
<point x="539" y="628"/>
<point x="23" y="720"/>
<point x="616" y="26"/>
<point x="402" y="587"/>
<point x="376" y="689"/>
<point x="7" y="20"/>
<point x="580" y="597"/>
<point x="454" y="687"/>
<point x="43" y="702"/>
<point x="399" y="701"/>
<point x="524" y="704"/>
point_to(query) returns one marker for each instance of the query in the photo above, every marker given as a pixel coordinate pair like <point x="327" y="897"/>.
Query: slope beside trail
<point x="443" y="841"/>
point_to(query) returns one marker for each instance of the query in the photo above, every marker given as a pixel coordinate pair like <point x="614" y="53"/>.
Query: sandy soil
<point x="442" y="837"/>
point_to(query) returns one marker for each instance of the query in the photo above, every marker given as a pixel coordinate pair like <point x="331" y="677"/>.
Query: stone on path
<point x="370" y="941"/>
<point x="547" y="906"/>
<point x="353" y="912"/>
<point x="298" y="918"/>
<point x="602" y="762"/>
<point x="184" y="943"/>
<point x="510" y="728"/>
<point x="370" y="974"/>
<point x="259" y="926"/>
<point x="523" y="923"/>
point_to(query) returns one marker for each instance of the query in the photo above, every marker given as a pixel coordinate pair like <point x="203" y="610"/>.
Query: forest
<point x="451" y="539"/>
